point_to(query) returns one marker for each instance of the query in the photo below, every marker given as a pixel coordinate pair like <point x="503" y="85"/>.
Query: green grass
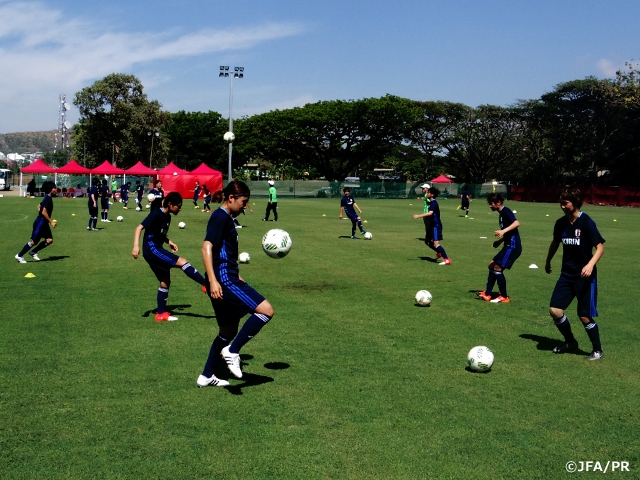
<point x="349" y="380"/>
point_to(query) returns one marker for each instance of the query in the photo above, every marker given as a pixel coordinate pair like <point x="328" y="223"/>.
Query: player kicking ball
<point x="578" y="234"/>
<point x="161" y="261"/>
<point x="509" y="237"/>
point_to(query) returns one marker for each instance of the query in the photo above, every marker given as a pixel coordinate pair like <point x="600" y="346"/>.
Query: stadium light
<point x="237" y="72"/>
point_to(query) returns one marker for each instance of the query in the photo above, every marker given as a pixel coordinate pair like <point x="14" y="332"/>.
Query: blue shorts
<point x="584" y="289"/>
<point x="507" y="257"/>
<point x="465" y="204"/>
<point x="41" y="229"/>
<point x="353" y="216"/>
<point x="238" y="299"/>
<point x="433" y="234"/>
<point x="160" y="260"/>
<point x="104" y="203"/>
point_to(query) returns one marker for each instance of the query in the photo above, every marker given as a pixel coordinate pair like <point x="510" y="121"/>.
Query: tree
<point x="334" y="137"/>
<point x="196" y="137"/>
<point x="116" y="116"/>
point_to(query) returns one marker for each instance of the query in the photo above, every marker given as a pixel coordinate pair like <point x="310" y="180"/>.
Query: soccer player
<point x="124" y="194"/>
<point x="114" y="188"/>
<point x="105" y="193"/>
<point x="93" y="197"/>
<point x="156" y="226"/>
<point x="433" y="234"/>
<point x="231" y="297"/>
<point x="349" y="205"/>
<point x="427" y="219"/>
<point x="273" y="202"/>
<point x="196" y="194"/>
<point x="41" y="226"/>
<point x="465" y="199"/>
<point x="578" y="234"/>
<point x="509" y="236"/>
<point x="158" y="191"/>
<point x="139" y="193"/>
<point x="206" y="195"/>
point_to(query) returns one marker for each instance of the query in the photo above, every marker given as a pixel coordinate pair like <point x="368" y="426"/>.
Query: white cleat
<point x="213" y="381"/>
<point x="35" y="256"/>
<point x="233" y="361"/>
<point x="20" y="259"/>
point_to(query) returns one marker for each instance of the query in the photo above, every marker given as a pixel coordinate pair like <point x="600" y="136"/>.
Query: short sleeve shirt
<point x="222" y="234"/>
<point x="435" y="208"/>
<point x="139" y="190"/>
<point x="156" y="226"/>
<point x="273" y="197"/>
<point x="93" y="191"/>
<point x="511" y="238"/>
<point x="47" y="202"/>
<point x="347" y="204"/>
<point x="159" y="194"/>
<point x="578" y="241"/>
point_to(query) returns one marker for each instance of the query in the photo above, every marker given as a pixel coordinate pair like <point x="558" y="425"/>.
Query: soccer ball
<point x="138" y="209"/>
<point x="480" y="359"/>
<point x="423" y="298"/>
<point x="244" y="257"/>
<point x="148" y="205"/>
<point x="120" y="218"/>
<point x="229" y="137"/>
<point x="182" y="225"/>
<point x="276" y="243"/>
<point x="151" y="197"/>
<point x="368" y="236"/>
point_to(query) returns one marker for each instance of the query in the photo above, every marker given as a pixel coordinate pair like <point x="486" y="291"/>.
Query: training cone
<point x="29" y="275"/>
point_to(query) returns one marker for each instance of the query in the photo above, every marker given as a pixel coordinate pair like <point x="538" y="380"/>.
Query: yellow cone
<point x="29" y="275"/>
<point x="324" y="214"/>
<point x="364" y="221"/>
<point x="73" y="214"/>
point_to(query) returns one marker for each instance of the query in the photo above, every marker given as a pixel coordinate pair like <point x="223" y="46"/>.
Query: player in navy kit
<point x="124" y="194"/>
<point x="158" y="192"/>
<point x="465" y="199"/>
<point x="161" y="261"/>
<point x="196" y="194"/>
<point x="93" y="198"/>
<point x="105" y="193"/>
<point x="41" y="226"/>
<point x="434" y="234"/>
<point x="578" y="234"/>
<point x="206" y="196"/>
<point x="349" y="205"/>
<point x="509" y="237"/>
<point x="231" y="297"/>
<point x="139" y="193"/>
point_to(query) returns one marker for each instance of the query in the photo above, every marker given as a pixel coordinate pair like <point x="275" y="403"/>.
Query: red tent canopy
<point x="38" y="167"/>
<point x="171" y="169"/>
<point x="441" y="179"/>
<point x="140" y="169"/>
<point x="107" y="169"/>
<point x="204" y="169"/>
<point x="74" y="168"/>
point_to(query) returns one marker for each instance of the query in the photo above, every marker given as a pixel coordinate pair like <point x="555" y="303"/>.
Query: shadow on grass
<point x="429" y="259"/>
<point x="54" y="258"/>
<point x="493" y="294"/>
<point x="468" y="369"/>
<point x="178" y="310"/>
<point x="248" y="380"/>
<point x="546" y="343"/>
<point x="348" y="236"/>
<point x="421" y="306"/>
<point x="276" y="365"/>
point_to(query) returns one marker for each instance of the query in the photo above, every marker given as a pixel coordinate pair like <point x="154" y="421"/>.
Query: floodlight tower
<point x="63" y="124"/>
<point x="238" y="72"/>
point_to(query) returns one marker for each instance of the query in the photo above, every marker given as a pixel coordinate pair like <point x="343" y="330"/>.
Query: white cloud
<point x="38" y="63"/>
<point x="608" y="68"/>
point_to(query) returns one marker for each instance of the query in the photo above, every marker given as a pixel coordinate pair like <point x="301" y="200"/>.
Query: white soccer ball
<point x="229" y="137"/>
<point x="276" y="243"/>
<point x="151" y="197"/>
<point x="244" y="257"/>
<point x="368" y="236"/>
<point x="182" y="225"/>
<point x="120" y="218"/>
<point x="148" y="205"/>
<point x="480" y="359"/>
<point x="423" y="298"/>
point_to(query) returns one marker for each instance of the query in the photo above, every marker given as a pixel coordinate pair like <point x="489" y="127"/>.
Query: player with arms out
<point x="509" y="237"/>
<point x="433" y="233"/>
<point x="578" y="234"/>
<point x="41" y="226"/>
<point x="231" y="297"/>
<point x="156" y="227"/>
<point x="196" y="194"/>
<point x="349" y="205"/>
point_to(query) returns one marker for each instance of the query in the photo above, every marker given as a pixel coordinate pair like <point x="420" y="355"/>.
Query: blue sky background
<point x="473" y="52"/>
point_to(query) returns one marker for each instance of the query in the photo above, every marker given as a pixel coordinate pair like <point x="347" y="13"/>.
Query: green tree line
<point x="583" y="131"/>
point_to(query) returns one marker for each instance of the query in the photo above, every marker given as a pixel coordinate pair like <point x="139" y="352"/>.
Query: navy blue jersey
<point x="435" y="217"/>
<point x="196" y="192"/>
<point x="47" y="202"/>
<point x="511" y="238"/>
<point x="207" y="193"/>
<point x="104" y="191"/>
<point x="347" y="204"/>
<point x="156" y="226"/>
<point x="139" y="191"/>
<point x="159" y="194"/>
<point x="464" y="195"/>
<point x="222" y="234"/>
<point x="578" y="241"/>
<point x="124" y="191"/>
<point x="93" y="191"/>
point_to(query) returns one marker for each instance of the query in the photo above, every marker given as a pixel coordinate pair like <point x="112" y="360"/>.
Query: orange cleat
<point x="500" y="299"/>
<point x="165" y="317"/>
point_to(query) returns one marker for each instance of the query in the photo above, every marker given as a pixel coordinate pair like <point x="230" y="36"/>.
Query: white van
<point x="4" y="179"/>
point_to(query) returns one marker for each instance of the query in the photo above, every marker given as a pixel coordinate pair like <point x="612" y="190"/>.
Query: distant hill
<point x="31" y="142"/>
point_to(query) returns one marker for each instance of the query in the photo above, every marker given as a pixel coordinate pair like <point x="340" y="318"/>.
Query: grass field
<point x="349" y="380"/>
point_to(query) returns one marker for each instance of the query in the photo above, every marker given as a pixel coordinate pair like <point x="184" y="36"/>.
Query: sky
<point x="473" y="52"/>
